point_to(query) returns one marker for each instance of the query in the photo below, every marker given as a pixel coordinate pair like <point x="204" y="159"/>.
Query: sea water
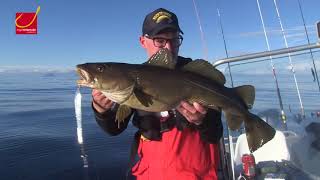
<point x="38" y="125"/>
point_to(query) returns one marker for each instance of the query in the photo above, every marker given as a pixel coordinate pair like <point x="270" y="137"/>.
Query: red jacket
<point x="179" y="155"/>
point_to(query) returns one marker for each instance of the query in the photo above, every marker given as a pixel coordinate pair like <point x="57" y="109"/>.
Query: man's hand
<point x="193" y="113"/>
<point x="100" y="102"/>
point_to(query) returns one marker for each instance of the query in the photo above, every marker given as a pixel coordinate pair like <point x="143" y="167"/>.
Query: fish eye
<point x="100" y="69"/>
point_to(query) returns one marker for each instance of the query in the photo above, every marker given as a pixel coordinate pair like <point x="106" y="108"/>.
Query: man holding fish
<point x="175" y="103"/>
<point x="178" y="144"/>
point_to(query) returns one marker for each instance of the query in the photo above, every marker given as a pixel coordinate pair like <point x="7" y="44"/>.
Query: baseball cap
<point x="159" y="20"/>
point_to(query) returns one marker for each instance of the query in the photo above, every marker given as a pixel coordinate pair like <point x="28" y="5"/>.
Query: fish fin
<point x="247" y="94"/>
<point x="143" y="98"/>
<point x="203" y="103"/>
<point x="204" y="68"/>
<point x="258" y="132"/>
<point x="162" y="58"/>
<point x="212" y="106"/>
<point x="196" y="99"/>
<point x="122" y="113"/>
<point x="234" y="121"/>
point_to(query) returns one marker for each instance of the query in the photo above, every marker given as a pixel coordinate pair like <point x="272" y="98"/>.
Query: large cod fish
<point x="157" y="86"/>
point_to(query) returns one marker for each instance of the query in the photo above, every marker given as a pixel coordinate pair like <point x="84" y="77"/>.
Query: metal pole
<point x="266" y="53"/>
<point x="283" y="116"/>
<point x="289" y="56"/>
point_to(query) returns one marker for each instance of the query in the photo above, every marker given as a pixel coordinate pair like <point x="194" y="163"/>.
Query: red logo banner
<point x="27" y="23"/>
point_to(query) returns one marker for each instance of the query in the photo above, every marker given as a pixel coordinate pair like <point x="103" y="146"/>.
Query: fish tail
<point x="258" y="132"/>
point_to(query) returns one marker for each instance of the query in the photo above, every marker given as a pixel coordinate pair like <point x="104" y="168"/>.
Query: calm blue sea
<point x="38" y="127"/>
<point x="38" y="131"/>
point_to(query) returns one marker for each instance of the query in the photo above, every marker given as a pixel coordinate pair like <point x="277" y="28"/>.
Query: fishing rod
<point x="283" y="116"/>
<point x="311" y="53"/>
<point x="204" y="44"/>
<point x="289" y="56"/>
<point x="230" y="138"/>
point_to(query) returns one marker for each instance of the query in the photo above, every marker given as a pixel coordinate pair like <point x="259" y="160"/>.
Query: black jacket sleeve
<point x="211" y="129"/>
<point x="108" y="123"/>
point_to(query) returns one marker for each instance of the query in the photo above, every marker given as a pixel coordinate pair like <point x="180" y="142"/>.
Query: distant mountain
<point x="35" y="69"/>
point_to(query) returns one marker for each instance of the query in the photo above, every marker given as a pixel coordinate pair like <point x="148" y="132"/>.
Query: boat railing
<point x="229" y="141"/>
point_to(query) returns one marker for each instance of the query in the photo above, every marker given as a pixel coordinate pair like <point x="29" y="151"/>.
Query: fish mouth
<point x="86" y="78"/>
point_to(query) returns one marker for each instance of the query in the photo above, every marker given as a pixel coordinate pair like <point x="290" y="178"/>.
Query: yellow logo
<point x="160" y="16"/>
<point x="30" y="23"/>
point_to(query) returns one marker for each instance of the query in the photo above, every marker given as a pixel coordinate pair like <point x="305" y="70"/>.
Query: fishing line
<point x="289" y="56"/>
<point x="283" y="116"/>
<point x="311" y="54"/>
<point x="78" y="113"/>
<point x="225" y="44"/>
<point x="204" y="44"/>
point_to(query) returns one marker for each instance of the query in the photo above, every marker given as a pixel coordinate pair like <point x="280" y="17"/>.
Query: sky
<point x="71" y="32"/>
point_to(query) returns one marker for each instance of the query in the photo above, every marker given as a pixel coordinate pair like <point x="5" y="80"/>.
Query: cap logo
<point x="160" y="16"/>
